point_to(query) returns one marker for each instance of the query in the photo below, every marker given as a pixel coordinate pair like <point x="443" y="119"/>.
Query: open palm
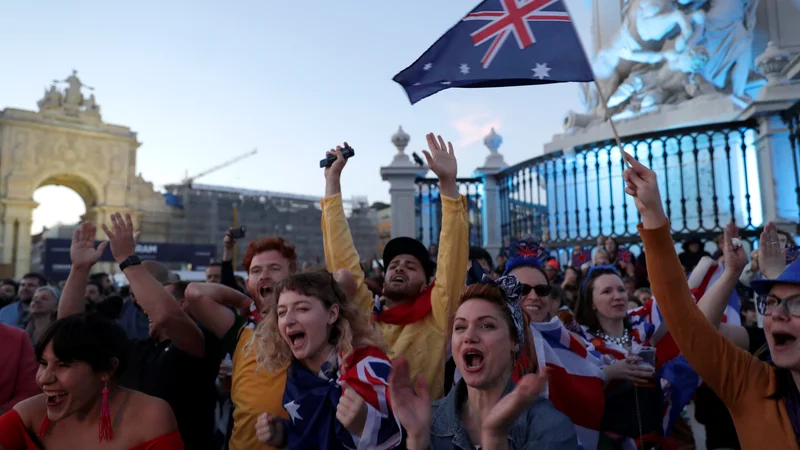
<point x="412" y="409"/>
<point x="82" y="251"/>
<point x="441" y="158"/>
<point x="512" y="405"/>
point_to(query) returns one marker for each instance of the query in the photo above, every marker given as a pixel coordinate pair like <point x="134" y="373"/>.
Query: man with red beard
<point x="413" y="314"/>
<point x="253" y="392"/>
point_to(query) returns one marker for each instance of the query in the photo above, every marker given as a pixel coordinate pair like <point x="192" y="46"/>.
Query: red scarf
<point x="405" y="313"/>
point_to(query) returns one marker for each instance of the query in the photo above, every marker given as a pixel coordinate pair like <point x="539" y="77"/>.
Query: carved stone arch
<point x="69" y="145"/>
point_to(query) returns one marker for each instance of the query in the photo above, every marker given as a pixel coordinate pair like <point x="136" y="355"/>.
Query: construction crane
<point x="188" y="181"/>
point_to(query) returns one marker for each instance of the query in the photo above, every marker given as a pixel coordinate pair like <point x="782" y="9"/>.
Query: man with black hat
<point x="414" y="313"/>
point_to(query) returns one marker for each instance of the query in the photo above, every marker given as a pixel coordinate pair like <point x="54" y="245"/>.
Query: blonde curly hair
<point x="352" y="328"/>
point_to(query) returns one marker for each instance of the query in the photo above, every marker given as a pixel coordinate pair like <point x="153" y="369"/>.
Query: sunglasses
<point x="542" y="290"/>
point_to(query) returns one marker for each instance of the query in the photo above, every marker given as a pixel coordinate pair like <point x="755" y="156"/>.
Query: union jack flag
<point x="527" y="249"/>
<point x="624" y="255"/>
<point x="476" y="52"/>
<point x="580" y="258"/>
<point x="512" y="20"/>
<point x="792" y="252"/>
<point x="311" y="401"/>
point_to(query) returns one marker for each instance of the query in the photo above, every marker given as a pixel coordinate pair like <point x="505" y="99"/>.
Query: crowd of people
<point x="439" y="348"/>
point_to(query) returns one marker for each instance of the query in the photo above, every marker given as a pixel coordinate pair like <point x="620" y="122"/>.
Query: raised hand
<point x="442" y="161"/>
<point x="333" y="174"/>
<point x="122" y="238"/>
<point x="771" y="257"/>
<point x="352" y="410"/>
<point x="642" y="185"/>
<point x="82" y="253"/>
<point x="335" y="170"/>
<point x="269" y="430"/>
<point x="497" y="422"/>
<point x="412" y="409"/>
<point x="734" y="257"/>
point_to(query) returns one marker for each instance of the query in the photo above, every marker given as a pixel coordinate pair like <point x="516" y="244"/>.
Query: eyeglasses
<point x="542" y="290"/>
<point x="768" y="303"/>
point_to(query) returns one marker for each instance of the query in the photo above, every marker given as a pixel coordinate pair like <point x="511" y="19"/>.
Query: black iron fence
<point x="429" y="209"/>
<point x="791" y="117"/>
<point x="707" y="176"/>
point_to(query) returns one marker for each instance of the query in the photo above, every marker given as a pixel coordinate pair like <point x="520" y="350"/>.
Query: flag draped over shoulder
<point x="311" y="402"/>
<point x="501" y="43"/>
<point x="575" y="382"/>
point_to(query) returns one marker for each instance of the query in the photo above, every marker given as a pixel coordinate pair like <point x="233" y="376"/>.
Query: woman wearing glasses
<point x="763" y="399"/>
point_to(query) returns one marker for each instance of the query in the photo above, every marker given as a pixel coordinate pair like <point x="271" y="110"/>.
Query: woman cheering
<point x="485" y="409"/>
<point x="337" y="381"/>
<point x="81" y="406"/>
<point x="763" y="399"/>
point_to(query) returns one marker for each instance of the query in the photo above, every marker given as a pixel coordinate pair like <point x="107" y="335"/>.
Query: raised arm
<point x="83" y="256"/>
<point x="228" y="265"/>
<point x="208" y="304"/>
<point x="728" y="370"/>
<point x="715" y="299"/>
<point x="451" y="269"/>
<point x="340" y="251"/>
<point x="159" y="305"/>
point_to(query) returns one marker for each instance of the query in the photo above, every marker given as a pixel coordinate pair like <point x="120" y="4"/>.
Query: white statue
<point x="73" y="95"/>
<point x="677" y="79"/>
<point x="646" y="27"/>
<point x="728" y="37"/>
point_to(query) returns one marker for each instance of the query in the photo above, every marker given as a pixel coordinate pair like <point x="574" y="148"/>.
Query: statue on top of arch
<point x="71" y="102"/>
<point x="670" y="51"/>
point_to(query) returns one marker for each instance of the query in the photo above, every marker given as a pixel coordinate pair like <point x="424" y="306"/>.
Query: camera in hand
<point x="347" y="152"/>
<point x="236" y="233"/>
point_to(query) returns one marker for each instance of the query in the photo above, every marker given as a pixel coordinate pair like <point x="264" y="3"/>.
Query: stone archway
<point x="66" y="143"/>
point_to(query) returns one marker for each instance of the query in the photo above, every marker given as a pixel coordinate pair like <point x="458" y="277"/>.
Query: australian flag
<point x="311" y="402"/>
<point x="501" y="43"/>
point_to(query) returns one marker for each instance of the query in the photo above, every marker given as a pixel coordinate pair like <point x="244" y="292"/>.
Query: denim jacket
<point x="540" y="427"/>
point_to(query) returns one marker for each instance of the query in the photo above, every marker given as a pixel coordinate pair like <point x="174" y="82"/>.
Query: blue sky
<point x="203" y="81"/>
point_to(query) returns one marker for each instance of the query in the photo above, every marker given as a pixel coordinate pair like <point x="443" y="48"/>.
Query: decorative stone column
<point x="401" y="174"/>
<point x="774" y="152"/>
<point x="17" y="221"/>
<point x="491" y="214"/>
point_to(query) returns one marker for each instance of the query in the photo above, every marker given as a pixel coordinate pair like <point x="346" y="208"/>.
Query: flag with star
<point x="311" y="400"/>
<point x="501" y="43"/>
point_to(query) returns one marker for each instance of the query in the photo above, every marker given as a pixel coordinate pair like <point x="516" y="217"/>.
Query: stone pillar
<point x="779" y="201"/>
<point x="401" y="174"/>
<point x="17" y="220"/>
<point x="491" y="214"/>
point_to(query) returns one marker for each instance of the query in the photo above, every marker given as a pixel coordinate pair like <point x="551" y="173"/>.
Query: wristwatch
<point x="129" y="261"/>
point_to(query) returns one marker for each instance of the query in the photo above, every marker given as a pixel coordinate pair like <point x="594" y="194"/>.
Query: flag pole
<point x="610" y="120"/>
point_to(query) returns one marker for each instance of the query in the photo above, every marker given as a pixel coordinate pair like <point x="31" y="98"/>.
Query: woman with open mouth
<point x="762" y="398"/>
<point x="81" y="406"/>
<point x="338" y="374"/>
<point x="485" y="409"/>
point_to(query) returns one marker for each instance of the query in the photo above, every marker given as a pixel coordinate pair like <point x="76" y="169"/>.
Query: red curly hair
<point x="268" y="244"/>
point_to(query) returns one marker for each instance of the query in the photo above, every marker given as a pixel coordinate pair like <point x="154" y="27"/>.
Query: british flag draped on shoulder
<point x="311" y="401"/>
<point x="678" y="381"/>
<point x="501" y="43"/>
<point x="576" y="380"/>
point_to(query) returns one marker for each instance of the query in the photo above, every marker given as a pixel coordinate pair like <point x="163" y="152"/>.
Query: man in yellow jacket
<point x="414" y="314"/>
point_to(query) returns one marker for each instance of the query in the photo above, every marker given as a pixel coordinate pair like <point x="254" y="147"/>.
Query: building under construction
<point x="203" y="213"/>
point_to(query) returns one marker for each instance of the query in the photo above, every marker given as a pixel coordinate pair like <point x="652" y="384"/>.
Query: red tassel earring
<point x="45" y="425"/>
<point x="106" y="432"/>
